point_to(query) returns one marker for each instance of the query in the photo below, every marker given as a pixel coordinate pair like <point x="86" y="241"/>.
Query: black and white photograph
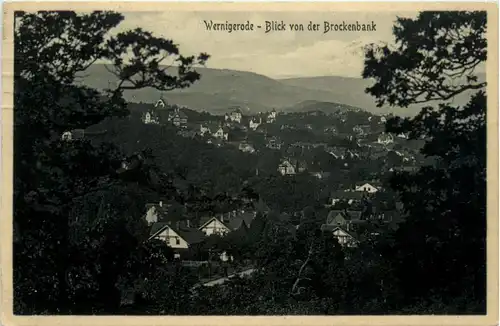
<point x="273" y="162"/>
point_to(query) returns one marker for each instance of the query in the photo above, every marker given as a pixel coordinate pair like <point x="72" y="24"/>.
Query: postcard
<point x="249" y="163"/>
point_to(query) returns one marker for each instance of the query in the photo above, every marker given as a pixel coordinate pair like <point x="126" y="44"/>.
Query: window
<point x="177" y="241"/>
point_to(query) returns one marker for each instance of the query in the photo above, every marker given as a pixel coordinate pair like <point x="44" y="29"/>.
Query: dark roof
<point x="260" y="206"/>
<point x="191" y="235"/>
<point x="347" y="215"/>
<point x="157" y="228"/>
<point x="235" y="223"/>
<point x="205" y="219"/>
<point x="247" y="217"/>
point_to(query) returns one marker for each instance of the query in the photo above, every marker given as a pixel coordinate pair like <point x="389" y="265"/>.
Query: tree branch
<point x="295" y="290"/>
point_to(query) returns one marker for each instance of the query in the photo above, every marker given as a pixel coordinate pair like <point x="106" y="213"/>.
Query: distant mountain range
<point x="220" y="89"/>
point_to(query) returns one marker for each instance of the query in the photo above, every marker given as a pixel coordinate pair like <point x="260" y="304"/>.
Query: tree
<point x="52" y="49"/>
<point x="440" y="249"/>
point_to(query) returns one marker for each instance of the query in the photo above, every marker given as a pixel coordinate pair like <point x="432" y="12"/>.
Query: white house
<point x="220" y="133"/>
<point x="172" y="238"/>
<point x="271" y="117"/>
<point x="246" y="147"/>
<point x="253" y="124"/>
<point x="344" y="238"/>
<point x="160" y="103"/>
<point x="214" y="226"/>
<point x="204" y="129"/>
<point x="73" y="135"/>
<point x="67" y="135"/>
<point x="286" y="168"/>
<point x="150" y="118"/>
<point x="153" y="211"/>
<point x="367" y="188"/>
<point x="176" y="237"/>
<point x="385" y="139"/>
<point x="234" y="116"/>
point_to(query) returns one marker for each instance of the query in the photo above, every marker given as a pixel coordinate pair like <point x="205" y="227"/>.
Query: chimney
<point x="187" y="223"/>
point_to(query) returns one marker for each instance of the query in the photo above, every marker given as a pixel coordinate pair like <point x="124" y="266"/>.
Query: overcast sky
<point x="276" y="54"/>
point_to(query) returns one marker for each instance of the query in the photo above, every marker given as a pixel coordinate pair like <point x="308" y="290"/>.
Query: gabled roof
<point x="157" y="228"/>
<point x="375" y="184"/>
<point x="260" y="206"/>
<point x="333" y="228"/>
<point x="247" y="217"/>
<point x="207" y="220"/>
<point x="235" y="223"/>
<point x="190" y="235"/>
<point x="346" y="215"/>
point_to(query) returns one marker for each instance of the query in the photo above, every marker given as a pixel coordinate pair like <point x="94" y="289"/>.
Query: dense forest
<point x="81" y="242"/>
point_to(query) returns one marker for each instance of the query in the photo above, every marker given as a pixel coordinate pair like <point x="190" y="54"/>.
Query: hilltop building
<point x="235" y="116"/>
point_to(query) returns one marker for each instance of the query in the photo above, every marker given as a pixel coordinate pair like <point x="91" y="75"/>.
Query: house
<point x="204" y="130"/>
<point x="385" y="139"/>
<point x="187" y="133"/>
<point x="286" y="168"/>
<point x="214" y="225"/>
<point x="160" y="103"/>
<point x="345" y="238"/>
<point x="403" y="135"/>
<point x="361" y="130"/>
<point x="291" y="167"/>
<point x="274" y="143"/>
<point x="300" y="166"/>
<point x="383" y="119"/>
<point x="410" y="169"/>
<point x="366" y="187"/>
<point x="150" y="117"/>
<point x="234" y="116"/>
<point x="331" y="130"/>
<point x="246" y="147"/>
<point x="350" y="197"/>
<point x="271" y="116"/>
<point x="155" y="212"/>
<point x="336" y="152"/>
<point x="220" y="133"/>
<point x="254" y="123"/>
<point x="176" y="237"/>
<point x="179" y="119"/>
<point x="321" y="175"/>
<point x="225" y="223"/>
<point x="340" y="223"/>
<point x="352" y="154"/>
<point x="74" y="134"/>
